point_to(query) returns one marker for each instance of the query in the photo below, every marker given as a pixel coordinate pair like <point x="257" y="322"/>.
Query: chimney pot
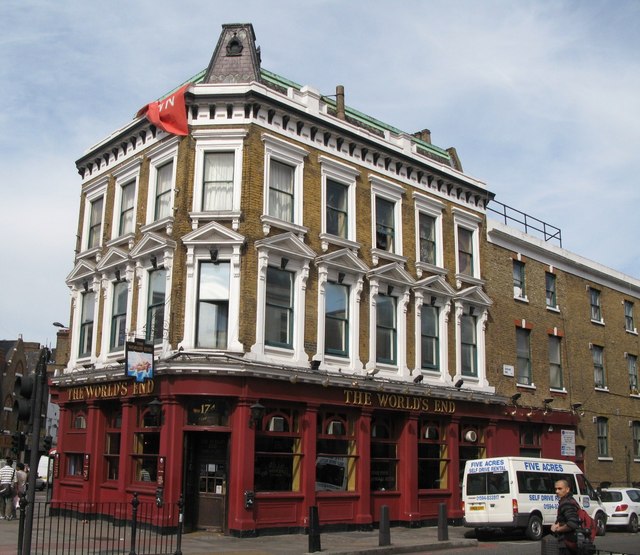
<point x="340" y="113"/>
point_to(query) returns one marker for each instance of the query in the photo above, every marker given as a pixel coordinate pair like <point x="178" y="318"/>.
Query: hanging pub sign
<point x="139" y="360"/>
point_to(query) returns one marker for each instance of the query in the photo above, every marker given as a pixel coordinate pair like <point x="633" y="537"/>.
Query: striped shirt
<point x="7" y="474"/>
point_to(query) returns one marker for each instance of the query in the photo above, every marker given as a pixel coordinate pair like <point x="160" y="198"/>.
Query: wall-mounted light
<point x="257" y="414"/>
<point x="547" y="402"/>
<point x="294" y="378"/>
<point x="459" y="383"/>
<point x="418" y="378"/>
<point x="60" y="325"/>
<point x="315" y="364"/>
<point x="213" y="254"/>
<point x="515" y="397"/>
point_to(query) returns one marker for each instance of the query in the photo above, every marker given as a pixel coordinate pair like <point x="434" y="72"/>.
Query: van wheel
<point x="534" y="528"/>
<point x="601" y="524"/>
<point x="633" y="524"/>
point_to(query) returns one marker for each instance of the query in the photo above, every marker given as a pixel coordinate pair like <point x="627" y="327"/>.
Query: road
<point x="614" y="541"/>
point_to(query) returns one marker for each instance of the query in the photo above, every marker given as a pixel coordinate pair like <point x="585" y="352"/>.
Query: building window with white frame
<point x="636" y="439"/>
<point x="519" y="291"/>
<point x="336" y="324"/>
<point x="427" y="238"/>
<point x="95" y="223"/>
<point x="385" y="225"/>
<point x="386" y="329"/>
<point x="523" y="356"/>
<point x="599" y="375"/>
<point x="430" y="341"/>
<point x="602" y="425"/>
<point x="628" y="317"/>
<point x="164" y="179"/>
<point x="550" y="286"/>
<point x="555" y="362"/>
<point x="217" y="181"/>
<point x="118" y="315"/>
<point x="213" y="305"/>
<point x="279" y="308"/>
<point x="87" y="317"/>
<point x="596" y="308"/>
<point x="127" y="208"/>
<point x="465" y="251"/>
<point x="632" y="369"/>
<point x="469" y="345"/>
<point x="155" y="306"/>
<point x="281" y="191"/>
<point x="337" y="209"/>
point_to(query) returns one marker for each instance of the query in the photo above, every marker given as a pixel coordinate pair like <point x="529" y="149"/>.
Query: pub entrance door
<point x="206" y="481"/>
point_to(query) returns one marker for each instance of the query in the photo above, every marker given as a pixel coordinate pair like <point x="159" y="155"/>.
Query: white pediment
<point x="114" y="257"/>
<point x="286" y="244"/>
<point x="152" y="243"/>
<point x="81" y="271"/>
<point x="212" y="234"/>
<point x="392" y="273"/>
<point x="474" y="295"/>
<point x="435" y="285"/>
<point x="344" y="260"/>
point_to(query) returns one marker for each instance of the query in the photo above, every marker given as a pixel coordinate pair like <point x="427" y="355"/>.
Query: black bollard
<point x="314" y="530"/>
<point x="443" y="526"/>
<point x="384" y="533"/>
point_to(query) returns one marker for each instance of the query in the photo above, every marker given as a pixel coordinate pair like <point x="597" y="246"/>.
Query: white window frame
<point x="158" y="157"/>
<point x="391" y="192"/>
<point x="346" y="175"/>
<point x="520" y="292"/>
<point x="355" y="283"/>
<point x="378" y="285"/>
<point x="300" y="268"/>
<point x="444" y="306"/>
<point x="602" y="437"/>
<point x="124" y="176"/>
<point x="434" y="208"/>
<point x="470" y="222"/>
<point x="196" y="255"/>
<point x="228" y="140"/>
<point x="604" y="386"/>
<point x="525" y="333"/>
<point x="92" y="194"/>
<point x="598" y="305"/>
<point x="108" y="291"/>
<point x="143" y="267"/>
<point x="481" y="313"/>
<point x="292" y="155"/>
<point x="78" y="292"/>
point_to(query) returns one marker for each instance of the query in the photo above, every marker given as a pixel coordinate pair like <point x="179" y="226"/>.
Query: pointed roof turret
<point x="236" y="58"/>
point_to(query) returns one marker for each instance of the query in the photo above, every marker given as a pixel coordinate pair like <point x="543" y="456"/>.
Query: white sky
<point x="541" y="100"/>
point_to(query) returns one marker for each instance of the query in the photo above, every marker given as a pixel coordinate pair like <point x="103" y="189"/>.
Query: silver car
<point x="622" y="506"/>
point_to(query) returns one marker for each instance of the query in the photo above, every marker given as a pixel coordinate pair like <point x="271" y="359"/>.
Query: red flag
<point x="168" y="114"/>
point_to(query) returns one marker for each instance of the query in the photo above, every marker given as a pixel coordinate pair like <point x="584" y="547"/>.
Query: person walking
<point x="7" y="480"/>
<point x="567" y="519"/>
<point x="21" y="485"/>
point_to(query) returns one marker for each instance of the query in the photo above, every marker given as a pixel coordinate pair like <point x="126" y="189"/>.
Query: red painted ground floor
<point x="255" y="453"/>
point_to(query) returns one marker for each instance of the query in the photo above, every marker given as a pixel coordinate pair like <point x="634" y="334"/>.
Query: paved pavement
<point x="403" y="540"/>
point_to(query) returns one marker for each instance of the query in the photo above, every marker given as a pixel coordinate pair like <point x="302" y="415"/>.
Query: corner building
<point x="311" y="280"/>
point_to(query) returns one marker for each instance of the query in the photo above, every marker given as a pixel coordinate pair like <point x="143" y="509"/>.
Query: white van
<point x="518" y="492"/>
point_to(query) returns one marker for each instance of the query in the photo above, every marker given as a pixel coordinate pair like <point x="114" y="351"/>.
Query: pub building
<point x="307" y="284"/>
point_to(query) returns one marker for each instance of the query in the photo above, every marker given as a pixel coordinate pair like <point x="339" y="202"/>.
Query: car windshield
<point x="610" y="496"/>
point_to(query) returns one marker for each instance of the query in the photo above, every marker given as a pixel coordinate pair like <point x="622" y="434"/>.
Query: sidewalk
<point x="403" y="540"/>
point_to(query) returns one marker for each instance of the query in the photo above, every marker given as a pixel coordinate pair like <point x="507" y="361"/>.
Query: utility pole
<point x="39" y="386"/>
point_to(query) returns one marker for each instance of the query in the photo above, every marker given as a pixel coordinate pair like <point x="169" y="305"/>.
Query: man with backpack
<point x="567" y="520"/>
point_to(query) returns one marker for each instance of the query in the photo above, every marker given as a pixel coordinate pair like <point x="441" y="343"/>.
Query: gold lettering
<point x="367" y="398"/>
<point x="383" y="398"/>
<point x="347" y="397"/>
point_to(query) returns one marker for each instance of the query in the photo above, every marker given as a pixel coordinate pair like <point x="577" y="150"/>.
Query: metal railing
<point x="529" y="224"/>
<point x="134" y="528"/>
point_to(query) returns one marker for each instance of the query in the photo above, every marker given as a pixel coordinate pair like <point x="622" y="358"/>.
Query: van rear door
<point x="487" y="495"/>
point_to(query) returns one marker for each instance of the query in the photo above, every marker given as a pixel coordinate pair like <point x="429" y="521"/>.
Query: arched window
<point x="433" y="455"/>
<point x="335" y="452"/>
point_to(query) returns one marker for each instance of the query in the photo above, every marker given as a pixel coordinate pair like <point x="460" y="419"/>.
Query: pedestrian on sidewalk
<point x="567" y="520"/>
<point x="7" y="489"/>
<point x="21" y="485"/>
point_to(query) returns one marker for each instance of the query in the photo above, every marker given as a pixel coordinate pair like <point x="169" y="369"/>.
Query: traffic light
<point x="46" y="443"/>
<point x="23" y="390"/>
<point x="15" y="442"/>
